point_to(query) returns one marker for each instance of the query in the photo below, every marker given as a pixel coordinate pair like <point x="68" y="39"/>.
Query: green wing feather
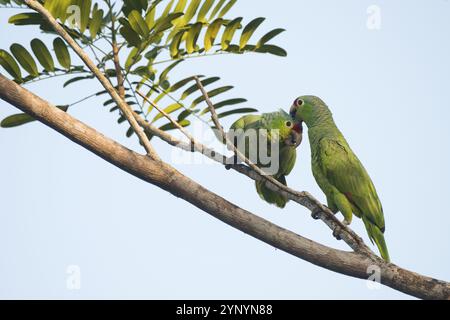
<point x="345" y="172"/>
<point x="270" y="196"/>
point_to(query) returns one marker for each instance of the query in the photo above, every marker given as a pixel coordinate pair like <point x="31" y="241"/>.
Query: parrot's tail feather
<point x="376" y="235"/>
<point x="271" y="196"/>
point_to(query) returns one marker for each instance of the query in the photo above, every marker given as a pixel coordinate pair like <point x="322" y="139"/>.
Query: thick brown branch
<point x="124" y="107"/>
<point x="167" y="178"/>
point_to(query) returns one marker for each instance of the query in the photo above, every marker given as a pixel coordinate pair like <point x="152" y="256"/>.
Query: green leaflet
<point x="85" y="11"/>
<point x="62" y="11"/>
<point x="227" y="8"/>
<point x="138" y="5"/>
<point x="153" y="53"/>
<point x="53" y="7"/>
<point x="194" y="87"/>
<point x="138" y="24"/>
<point x="192" y="37"/>
<point x="144" y="72"/>
<point x="175" y="44"/>
<point x="170" y="126"/>
<point x="249" y="30"/>
<point x="150" y="18"/>
<point x="211" y="94"/>
<point x="269" y="36"/>
<point x="229" y="32"/>
<point x="130" y="132"/>
<point x="275" y="50"/>
<point x="182" y="83"/>
<point x="62" y="53"/>
<point x="19" y="119"/>
<point x="184" y="114"/>
<point x="211" y="33"/>
<point x="170" y="109"/>
<point x="130" y="35"/>
<point x="43" y="55"/>
<point x="216" y="9"/>
<point x="10" y="65"/>
<point x="236" y="111"/>
<point x="163" y="75"/>
<point x="27" y="18"/>
<point x="76" y="79"/>
<point x="58" y="8"/>
<point x="165" y="23"/>
<point x="180" y="6"/>
<point x="25" y="59"/>
<point x="191" y="10"/>
<point x="224" y="103"/>
<point x="201" y="17"/>
<point x="16" y="120"/>
<point x="96" y="23"/>
<point x="167" y="9"/>
<point x="132" y="59"/>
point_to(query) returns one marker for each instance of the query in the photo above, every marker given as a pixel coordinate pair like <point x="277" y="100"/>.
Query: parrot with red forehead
<point x="338" y="171"/>
<point x="269" y="140"/>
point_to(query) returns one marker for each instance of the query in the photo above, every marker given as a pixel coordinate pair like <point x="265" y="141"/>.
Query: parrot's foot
<point x="230" y="161"/>
<point x="338" y="229"/>
<point x="336" y="233"/>
<point x="315" y="213"/>
<point x="345" y="222"/>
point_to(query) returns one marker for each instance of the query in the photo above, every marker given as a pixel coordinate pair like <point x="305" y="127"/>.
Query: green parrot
<point x="271" y="131"/>
<point x="338" y="171"/>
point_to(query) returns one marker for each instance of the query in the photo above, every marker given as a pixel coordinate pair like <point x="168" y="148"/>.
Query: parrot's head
<point x="309" y="109"/>
<point x="290" y="131"/>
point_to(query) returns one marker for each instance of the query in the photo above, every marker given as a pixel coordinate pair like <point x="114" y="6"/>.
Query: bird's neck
<point x="323" y="126"/>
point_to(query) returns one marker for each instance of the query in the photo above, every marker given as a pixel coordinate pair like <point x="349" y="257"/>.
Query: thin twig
<point x="136" y="98"/>
<point x="115" y="50"/>
<point x="83" y="99"/>
<point x="124" y="107"/>
<point x="193" y="57"/>
<point x="51" y="76"/>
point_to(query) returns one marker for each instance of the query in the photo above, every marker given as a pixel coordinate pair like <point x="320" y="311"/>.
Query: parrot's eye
<point x="288" y="124"/>
<point x="298" y="102"/>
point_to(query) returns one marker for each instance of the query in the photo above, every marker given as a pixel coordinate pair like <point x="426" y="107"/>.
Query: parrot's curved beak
<point x="295" y="137"/>
<point x="293" y="111"/>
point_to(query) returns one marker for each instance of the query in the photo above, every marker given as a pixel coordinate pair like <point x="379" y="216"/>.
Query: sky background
<point x="389" y="92"/>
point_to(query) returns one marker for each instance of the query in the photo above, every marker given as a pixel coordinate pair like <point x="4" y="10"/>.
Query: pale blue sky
<point x="389" y="92"/>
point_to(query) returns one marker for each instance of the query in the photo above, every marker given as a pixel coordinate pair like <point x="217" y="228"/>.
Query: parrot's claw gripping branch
<point x="315" y="213"/>
<point x="336" y="233"/>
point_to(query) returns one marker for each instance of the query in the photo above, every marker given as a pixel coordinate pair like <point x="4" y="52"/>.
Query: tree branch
<point x="164" y="176"/>
<point x="115" y="50"/>
<point x="124" y="107"/>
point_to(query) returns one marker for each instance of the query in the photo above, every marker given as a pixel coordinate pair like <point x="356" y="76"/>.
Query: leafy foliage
<point x="155" y="36"/>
